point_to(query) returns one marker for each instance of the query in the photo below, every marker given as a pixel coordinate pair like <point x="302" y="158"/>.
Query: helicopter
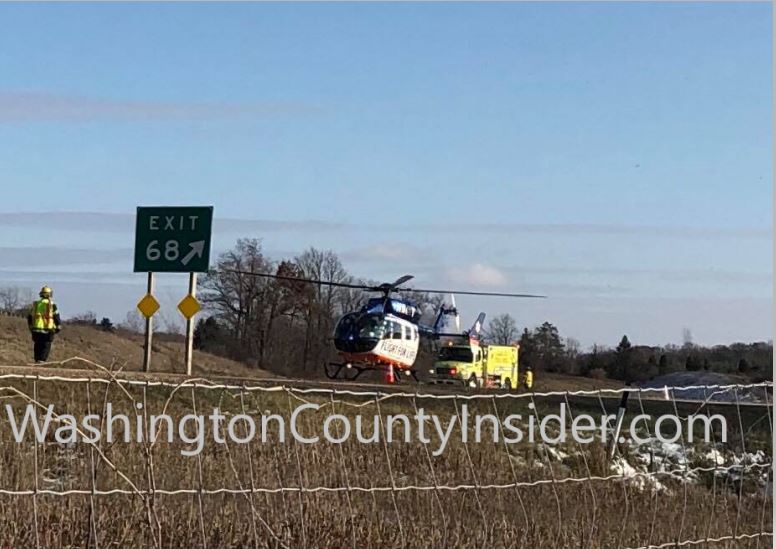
<point x="384" y="334"/>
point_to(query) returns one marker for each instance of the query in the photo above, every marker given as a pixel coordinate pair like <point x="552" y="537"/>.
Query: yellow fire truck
<point x="474" y="365"/>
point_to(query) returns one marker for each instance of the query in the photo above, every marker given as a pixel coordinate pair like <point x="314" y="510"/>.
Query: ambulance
<point x="473" y="364"/>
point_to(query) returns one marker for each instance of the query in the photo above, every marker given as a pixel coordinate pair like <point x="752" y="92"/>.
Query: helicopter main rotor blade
<point x="300" y="279"/>
<point x="385" y="288"/>
<point x="492" y="294"/>
<point x="388" y="287"/>
<point x="401" y="280"/>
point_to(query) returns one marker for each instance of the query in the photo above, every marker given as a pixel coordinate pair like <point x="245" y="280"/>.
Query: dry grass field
<point x="290" y="494"/>
<point x="122" y="349"/>
<point x="283" y="493"/>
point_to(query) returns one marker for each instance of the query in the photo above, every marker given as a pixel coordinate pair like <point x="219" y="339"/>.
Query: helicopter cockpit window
<point x="345" y="326"/>
<point x="372" y="327"/>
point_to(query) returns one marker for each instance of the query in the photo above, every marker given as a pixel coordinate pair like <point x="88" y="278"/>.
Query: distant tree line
<point x="17" y="301"/>
<point x="286" y="326"/>
<point x="545" y="350"/>
<point x="89" y="318"/>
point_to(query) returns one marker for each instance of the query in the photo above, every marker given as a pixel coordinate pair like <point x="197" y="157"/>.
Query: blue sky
<point x="616" y="157"/>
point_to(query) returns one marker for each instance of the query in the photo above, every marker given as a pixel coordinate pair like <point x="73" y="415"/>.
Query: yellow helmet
<point x="45" y="291"/>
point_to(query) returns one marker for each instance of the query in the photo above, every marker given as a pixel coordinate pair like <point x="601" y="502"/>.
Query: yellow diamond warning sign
<point x="189" y="306"/>
<point x="148" y="305"/>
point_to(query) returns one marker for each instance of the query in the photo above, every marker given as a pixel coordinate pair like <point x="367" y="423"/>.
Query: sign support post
<point x="190" y="325"/>
<point x="149" y="329"/>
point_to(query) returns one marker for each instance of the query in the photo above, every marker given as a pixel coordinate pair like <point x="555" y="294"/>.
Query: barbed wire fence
<point x="408" y="491"/>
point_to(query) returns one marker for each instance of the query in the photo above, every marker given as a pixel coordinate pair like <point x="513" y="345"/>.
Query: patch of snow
<point x="749" y="458"/>
<point x="620" y="466"/>
<point x="714" y="456"/>
<point x="671" y="454"/>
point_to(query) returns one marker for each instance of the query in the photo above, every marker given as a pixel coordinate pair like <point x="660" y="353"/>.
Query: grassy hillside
<point x="125" y="349"/>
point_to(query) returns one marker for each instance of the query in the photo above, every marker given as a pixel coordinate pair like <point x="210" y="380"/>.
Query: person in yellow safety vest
<point x="528" y="378"/>
<point x="43" y="321"/>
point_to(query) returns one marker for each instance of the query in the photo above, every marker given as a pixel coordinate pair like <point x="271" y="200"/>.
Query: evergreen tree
<point x="526" y="352"/>
<point x="621" y="367"/>
<point x="652" y="369"/>
<point x="548" y="348"/>
<point x="662" y="366"/>
<point x="691" y="363"/>
<point x="208" y="334"/>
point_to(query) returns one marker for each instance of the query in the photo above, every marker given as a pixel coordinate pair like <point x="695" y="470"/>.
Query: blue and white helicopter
<point x="385" y="333"/>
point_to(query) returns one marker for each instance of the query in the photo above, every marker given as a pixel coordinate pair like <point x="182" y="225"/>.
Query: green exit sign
<point x="173" y="239"/>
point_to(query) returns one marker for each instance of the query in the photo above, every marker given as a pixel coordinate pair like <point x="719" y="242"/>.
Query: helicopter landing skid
<point x="350" y="372"/>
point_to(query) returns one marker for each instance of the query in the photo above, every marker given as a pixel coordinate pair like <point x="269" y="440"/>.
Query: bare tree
<point x="249" y="306"/>
<point x="686" y="338"/>
<point x="133" y="322"/>
<point x="352" y="299"/>
<point x="502" y="330"/>
<point x="230" y="292"/>
<point x="14" y="299"/>
<point x="173" y="324"/>
<point x="87" y="318"/>
<point x="323" y="303"/>
<point x="573" y="348"/>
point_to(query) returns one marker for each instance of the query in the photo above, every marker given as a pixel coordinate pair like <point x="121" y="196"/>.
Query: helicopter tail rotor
<point x="457" y="315"/>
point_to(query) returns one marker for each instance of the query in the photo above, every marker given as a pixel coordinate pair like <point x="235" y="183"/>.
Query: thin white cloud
<point x="311" y="225"/>
<point x="47" y="256"/>
<point x="477" y="275"/>
<point x="388" y="252"/>
<point x="21" y="107"/>
<point x="672" y="275"/>
<point x="16" y="277"/>
<point x="125" y="222"/>
<point x="614" y="229"/>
